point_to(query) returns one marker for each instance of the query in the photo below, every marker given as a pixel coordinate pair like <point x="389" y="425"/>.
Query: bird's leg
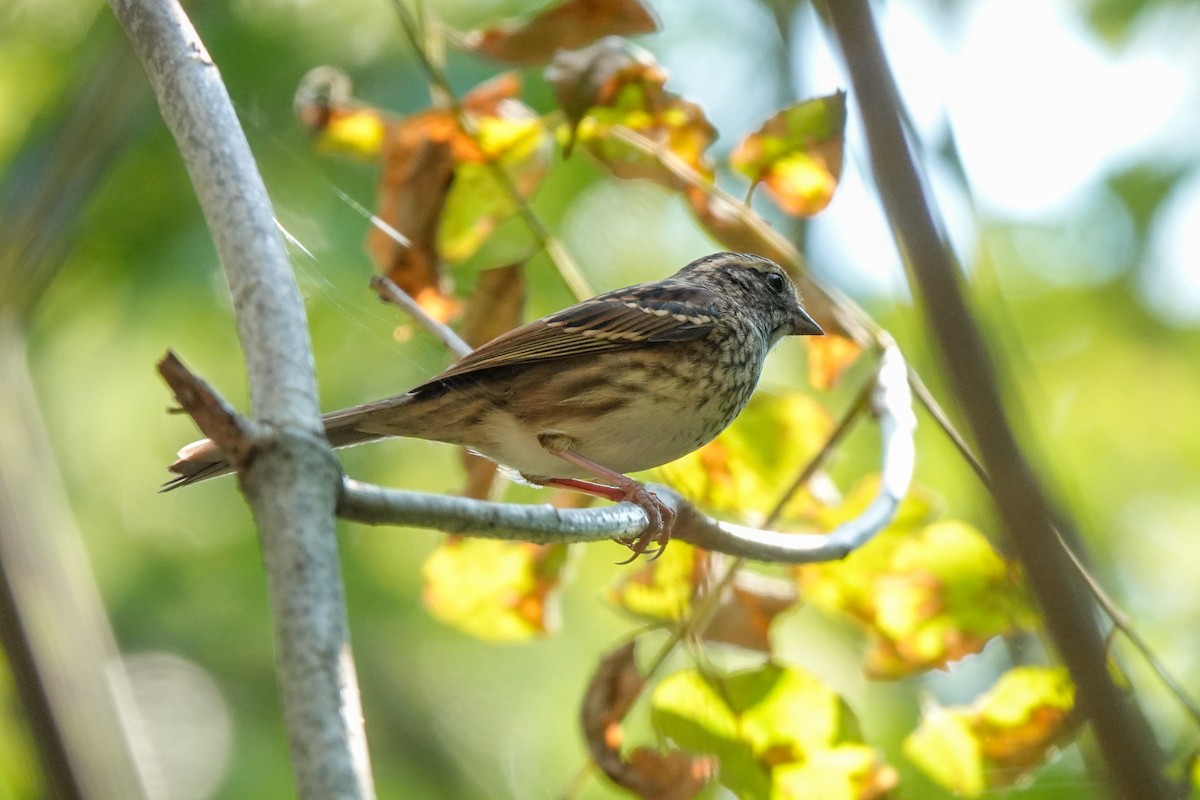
<point x="661" y="516"/>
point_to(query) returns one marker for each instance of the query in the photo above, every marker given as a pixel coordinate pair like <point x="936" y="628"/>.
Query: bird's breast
<point x="629" y="411"/>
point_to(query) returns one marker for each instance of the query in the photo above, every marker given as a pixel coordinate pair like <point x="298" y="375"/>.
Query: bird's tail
<point x="202" y="460"/>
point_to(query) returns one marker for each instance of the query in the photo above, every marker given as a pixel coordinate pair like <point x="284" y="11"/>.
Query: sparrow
<point x="626" y="381"/>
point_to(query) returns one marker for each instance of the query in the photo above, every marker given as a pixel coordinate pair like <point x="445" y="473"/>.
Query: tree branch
<point x="291" y="483"/>
<point x="1121" y="732"/>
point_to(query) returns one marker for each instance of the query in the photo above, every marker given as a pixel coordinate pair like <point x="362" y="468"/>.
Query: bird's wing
<point x="620" y="320"/>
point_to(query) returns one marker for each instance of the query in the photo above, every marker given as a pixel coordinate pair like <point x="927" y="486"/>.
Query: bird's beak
<point x="804" y="325"/>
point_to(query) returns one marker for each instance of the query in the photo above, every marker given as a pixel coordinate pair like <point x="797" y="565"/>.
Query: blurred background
<point x="1062" y="141"/>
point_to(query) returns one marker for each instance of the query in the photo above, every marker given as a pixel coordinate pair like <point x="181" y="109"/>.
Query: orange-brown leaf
<point x="797" y="154"/>
<point x="496" y="306"/>
<point x="745" y="614"/>
<point x="412" y="189"/>
<point x="428" y="161"/>
<point x="489" y="97"/>
<point x="566" y="26"/>
<point x="828" y="357"/>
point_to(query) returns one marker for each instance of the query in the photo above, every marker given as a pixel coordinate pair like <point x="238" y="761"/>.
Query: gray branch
<point x="292" y="483"/>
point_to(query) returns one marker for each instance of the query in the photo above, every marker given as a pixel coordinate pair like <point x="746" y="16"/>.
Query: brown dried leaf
<point x="745" y="615"/>
<point x="614" y="688"/>
<point x="496" y="306"/>
<point x="566" y="26"/>
<point x="415" y="179"/>
<point x="424" y="156"/>
<point x="488" y="98"/>
<point x="590" y="77"/>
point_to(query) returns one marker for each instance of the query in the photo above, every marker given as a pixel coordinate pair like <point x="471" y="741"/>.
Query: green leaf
<point x="945" y="748"/>
<point x="765" y="726"/>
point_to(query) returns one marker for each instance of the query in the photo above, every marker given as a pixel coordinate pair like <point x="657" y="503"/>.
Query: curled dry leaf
<point x="414" y="181"/>
<point x="745" y="614"/>
<point x="565" y="26"/>
<point x="496" y="305"/>
<point x="649" y="774"/>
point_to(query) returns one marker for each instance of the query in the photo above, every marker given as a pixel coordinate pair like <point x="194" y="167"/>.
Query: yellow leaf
<point x="496" y="591"/>
<point x="746" y="469"/>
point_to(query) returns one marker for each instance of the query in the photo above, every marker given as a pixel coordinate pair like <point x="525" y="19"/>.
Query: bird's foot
<point x="660" y="516"/>
<point x="662" y="520"/>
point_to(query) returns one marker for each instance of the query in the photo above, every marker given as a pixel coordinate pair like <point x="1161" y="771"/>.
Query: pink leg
<point x="661" y="515"/>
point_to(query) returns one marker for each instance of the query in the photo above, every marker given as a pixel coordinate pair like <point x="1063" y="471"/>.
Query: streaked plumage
<point x="629" y="380"/>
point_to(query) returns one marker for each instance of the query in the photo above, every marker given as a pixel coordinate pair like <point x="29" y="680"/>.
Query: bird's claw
<point x="658" y="530"/>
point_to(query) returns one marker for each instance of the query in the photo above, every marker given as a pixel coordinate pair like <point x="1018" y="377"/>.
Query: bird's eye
<point x="776" y="283"/>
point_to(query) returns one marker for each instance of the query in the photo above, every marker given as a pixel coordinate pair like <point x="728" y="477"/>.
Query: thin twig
<point x="1120" y="621"/>
<point x="860" y="404"/>
<point x="401" y="298"/>
<point x="926" y="398"/>
<point x="215" y="418"/>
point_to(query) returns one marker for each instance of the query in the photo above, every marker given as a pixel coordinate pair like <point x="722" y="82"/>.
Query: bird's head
<point x="760" y="286"/>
